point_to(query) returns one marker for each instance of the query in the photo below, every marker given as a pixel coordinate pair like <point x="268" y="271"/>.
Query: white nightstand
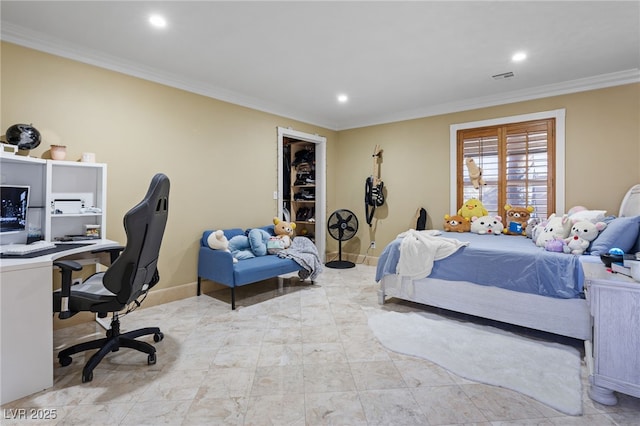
<point x="614" y="301"/>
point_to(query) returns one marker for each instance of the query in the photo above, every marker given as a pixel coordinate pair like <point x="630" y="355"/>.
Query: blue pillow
<point x="621" y="232"/>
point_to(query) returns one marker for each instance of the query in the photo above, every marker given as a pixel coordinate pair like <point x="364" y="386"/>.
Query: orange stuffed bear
<point x="456" y="223"/>
<point x="284" y="230"/>
<point x="516" y="219"/>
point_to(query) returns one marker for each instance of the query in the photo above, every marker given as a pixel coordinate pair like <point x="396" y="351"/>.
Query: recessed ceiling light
<point x="157" y="21"/>
<point x="520" y="56"/>
<point x="343" y="98"/>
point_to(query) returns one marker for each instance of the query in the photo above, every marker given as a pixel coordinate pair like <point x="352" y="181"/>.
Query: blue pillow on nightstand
<point x="621" y="232"/>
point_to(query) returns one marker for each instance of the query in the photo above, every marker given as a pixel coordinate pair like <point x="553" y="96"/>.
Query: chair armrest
<point x="66" y="269"/>
<point x="216" y="265"/>
<point x="114" y="252"/>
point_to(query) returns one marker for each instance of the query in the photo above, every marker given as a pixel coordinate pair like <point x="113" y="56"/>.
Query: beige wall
<point x="602" y="159"/>
<point x="221" y="158"/>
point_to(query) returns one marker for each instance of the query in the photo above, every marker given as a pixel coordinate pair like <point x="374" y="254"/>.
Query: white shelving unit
<point x="51" y="180"/>
<point x="85" y="184"/>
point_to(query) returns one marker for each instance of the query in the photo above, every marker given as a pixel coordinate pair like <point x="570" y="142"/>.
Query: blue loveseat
<point x="218" y="265"/>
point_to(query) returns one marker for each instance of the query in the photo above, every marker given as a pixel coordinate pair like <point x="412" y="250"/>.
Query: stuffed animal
<point x="517" y="218"/>
<point x="556" y="227"/>
<point x="217" y="241"/>
<point x="575" y="209"/>
<point x="555" y="244"/>
<point x="456" y="223"/>
<point x="475" y="173"/>
<point x="531" y="230"/>
<point x="284" y="231"/>
<point x="253" y="244"/>
<point x="490" y="225"/>
<point x="581" y="234"/>
<point x="472" y="207"/>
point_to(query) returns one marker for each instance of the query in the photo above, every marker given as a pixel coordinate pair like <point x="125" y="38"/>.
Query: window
<point x="521" y="162"/>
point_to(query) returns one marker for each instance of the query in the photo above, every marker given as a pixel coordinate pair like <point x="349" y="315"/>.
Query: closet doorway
<point x="302" y="184"/>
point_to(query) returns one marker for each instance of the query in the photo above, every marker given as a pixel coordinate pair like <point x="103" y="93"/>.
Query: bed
<point x="507" y="278"/>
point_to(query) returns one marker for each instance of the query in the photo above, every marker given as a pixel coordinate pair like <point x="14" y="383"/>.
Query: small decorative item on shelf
<point x="24" y="136"/>
<point x="58" y="152"/>
<point x="8" y="149"/>
<point x="92" y="231"/>
<point x="88" y="157"/>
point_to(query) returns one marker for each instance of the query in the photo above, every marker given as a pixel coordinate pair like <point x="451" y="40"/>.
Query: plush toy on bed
<point x="253" y="244"/>
<point x="581" y="234"/>
<point x="517" y="218"/>
<point x="284" y="235"/>
<point x="456" y="223"/>
<point x="475" y="173"/>
<point x="556" y="227"/>
<point x="489" y="225"/>
<point x="217" y="241"/>
<point x="472" y="207"/>
<point x="555" y="244"/>
<point x="532" y="228"/>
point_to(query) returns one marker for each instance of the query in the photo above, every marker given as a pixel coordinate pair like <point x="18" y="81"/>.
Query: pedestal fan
<point x="342" y="226"/>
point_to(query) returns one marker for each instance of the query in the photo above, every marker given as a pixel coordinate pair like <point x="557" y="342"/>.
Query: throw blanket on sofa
<point x="305" y="253"/>
<point x="419" y="249"/>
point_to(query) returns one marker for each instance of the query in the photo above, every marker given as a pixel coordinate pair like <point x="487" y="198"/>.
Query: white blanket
<point x="419" y="249"/>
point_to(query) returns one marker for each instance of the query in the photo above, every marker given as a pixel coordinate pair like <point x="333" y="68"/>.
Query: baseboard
<point x="154" y="298"/>
<point x="353" y="257"/>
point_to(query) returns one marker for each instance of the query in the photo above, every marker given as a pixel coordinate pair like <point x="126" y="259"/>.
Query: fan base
<point x="340" y="264"/>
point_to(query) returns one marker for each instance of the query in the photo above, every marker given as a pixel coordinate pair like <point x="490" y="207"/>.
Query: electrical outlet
<point x="372" y="245"/>
<point x="76" y="281"/>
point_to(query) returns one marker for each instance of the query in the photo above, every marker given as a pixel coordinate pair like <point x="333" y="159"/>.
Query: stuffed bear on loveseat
<point x="218" y="265"/>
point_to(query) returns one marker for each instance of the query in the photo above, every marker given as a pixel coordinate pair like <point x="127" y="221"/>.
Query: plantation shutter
<point x="517" y="166"/>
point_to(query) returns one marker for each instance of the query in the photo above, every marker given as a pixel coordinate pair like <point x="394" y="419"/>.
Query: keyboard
<point x="19" y="249"/>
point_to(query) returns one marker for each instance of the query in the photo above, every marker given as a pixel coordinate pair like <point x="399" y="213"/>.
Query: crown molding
<point x="38" y="41"/>
<point x="572" y="86"/>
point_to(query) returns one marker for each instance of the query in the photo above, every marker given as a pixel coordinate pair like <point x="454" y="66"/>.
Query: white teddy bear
<point x="487" y="225"/>
<point x="582" y="233"/>
<point x="217" y="241"/>
<point x="556" y="227"/>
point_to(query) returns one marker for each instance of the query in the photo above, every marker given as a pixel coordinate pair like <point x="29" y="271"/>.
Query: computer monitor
<point x="14" y="204"/>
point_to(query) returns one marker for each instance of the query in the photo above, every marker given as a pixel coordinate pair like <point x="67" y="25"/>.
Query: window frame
<point x="558" y="115"/>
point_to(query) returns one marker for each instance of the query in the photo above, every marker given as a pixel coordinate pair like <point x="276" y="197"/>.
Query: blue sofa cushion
<point x="261" y="268"/>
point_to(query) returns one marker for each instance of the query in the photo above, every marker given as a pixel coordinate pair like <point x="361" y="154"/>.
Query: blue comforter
<point x="506" y="261"/>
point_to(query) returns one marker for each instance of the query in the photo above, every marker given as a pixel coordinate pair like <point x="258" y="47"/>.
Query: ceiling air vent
<point x="502" y="76"/>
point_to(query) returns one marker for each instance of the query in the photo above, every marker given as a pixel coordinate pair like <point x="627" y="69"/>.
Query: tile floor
<point x="299" y="355"/>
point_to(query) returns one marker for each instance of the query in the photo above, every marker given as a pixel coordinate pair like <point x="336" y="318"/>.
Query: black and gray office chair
<point x="132" y="273"/>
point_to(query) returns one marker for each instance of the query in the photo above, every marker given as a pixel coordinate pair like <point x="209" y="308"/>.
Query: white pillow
<point x="590" y="215"/>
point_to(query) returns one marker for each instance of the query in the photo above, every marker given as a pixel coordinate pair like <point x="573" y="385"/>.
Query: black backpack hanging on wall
<point x="421" y="219"/>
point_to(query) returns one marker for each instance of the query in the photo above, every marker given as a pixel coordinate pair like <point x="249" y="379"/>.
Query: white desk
<point x="26" y="321"/>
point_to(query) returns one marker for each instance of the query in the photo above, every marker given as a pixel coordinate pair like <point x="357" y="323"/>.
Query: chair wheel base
<point x="65" y="361"/>
<point x="87" y="377"/>
<point x="157" y="337"/>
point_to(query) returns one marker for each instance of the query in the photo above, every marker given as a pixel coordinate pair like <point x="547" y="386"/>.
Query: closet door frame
<point x="321" y="181"/>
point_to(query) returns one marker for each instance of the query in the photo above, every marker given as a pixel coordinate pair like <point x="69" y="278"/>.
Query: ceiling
<point x="395" y="60"/>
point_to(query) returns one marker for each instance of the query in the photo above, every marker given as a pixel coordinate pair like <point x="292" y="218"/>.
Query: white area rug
<point x="547" y="372"/>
